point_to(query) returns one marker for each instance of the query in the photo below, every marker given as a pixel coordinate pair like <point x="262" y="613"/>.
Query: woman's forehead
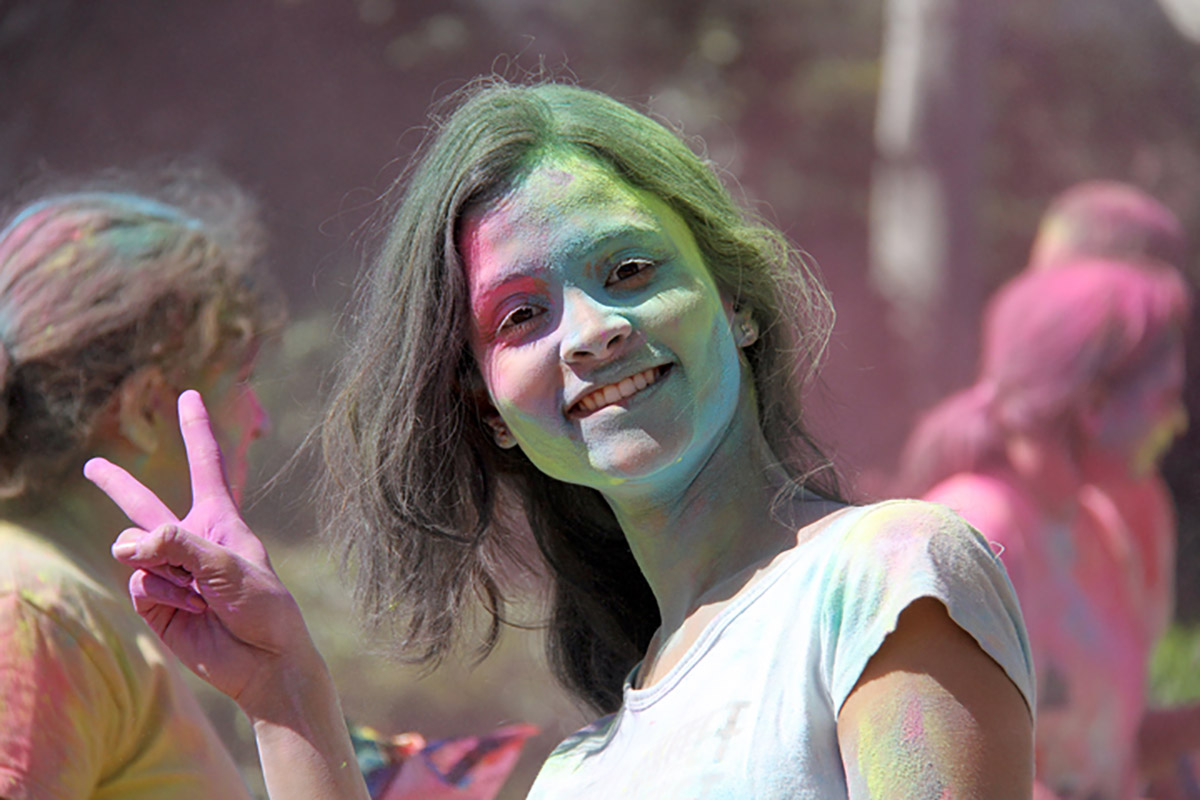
<point x="558" y="182"/>
<point x="565" y="202"/>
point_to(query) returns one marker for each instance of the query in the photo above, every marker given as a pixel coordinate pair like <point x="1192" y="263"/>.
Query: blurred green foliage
<point x="1174" y="676"/>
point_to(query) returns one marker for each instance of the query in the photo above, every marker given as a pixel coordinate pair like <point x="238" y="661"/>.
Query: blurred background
<point x="910" y="146"/>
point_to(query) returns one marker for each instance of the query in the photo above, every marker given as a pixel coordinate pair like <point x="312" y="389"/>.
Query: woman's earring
<point x="503" y="436"/>
<point x="747" y="333"/>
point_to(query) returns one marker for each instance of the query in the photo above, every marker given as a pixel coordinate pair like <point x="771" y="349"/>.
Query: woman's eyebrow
<point x="584" y="248"/>
<point x="533" y="280"/>
<point x="640" y="234"/>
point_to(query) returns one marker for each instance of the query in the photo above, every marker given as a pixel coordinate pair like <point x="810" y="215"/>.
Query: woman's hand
<point x="204" y="582"/>
<point x="205" y="585"/>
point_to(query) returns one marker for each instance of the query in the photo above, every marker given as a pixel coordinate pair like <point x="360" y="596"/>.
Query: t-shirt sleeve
<point x="56" y="708"/>
<point x="904" y="550"/>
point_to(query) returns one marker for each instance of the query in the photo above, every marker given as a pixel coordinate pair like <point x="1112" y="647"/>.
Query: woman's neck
<point x="1048" y="470"/>
<point x="698" y="543"/>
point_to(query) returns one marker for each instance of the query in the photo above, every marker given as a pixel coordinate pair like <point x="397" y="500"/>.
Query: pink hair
<point x="1050" y="340"/>
<point x="1109" y="220"/>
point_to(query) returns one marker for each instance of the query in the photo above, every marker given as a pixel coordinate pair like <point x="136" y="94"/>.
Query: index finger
<point x="204" y="454"/>
<point x="141" y="505"/>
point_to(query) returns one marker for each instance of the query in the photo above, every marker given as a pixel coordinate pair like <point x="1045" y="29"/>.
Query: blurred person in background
<point x="406" y="766"/>
<point x="111" y="302"/>
<point x="1107" y="220"/>
<point x="1110" y="220"/>
<point x="1079" y="396"/>
<point x="573" y="326"/>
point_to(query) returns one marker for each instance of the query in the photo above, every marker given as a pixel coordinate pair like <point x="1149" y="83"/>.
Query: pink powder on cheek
<point x="489" y="288"/>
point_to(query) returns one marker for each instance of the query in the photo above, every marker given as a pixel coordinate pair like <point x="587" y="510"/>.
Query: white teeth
<point x="614" y="392"/>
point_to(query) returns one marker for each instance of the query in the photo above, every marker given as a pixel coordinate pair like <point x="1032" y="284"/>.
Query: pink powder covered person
<point x="1079" y="389"/>
<point x="1116" y="221"/>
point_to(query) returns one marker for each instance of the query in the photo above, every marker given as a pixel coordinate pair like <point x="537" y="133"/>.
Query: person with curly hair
<point x="111" y="302"/>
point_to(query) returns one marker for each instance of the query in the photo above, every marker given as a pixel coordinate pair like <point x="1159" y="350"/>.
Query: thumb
<point x="171" y="546"/>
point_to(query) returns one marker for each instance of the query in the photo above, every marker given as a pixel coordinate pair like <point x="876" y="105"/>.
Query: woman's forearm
<point x="302" y="739"/>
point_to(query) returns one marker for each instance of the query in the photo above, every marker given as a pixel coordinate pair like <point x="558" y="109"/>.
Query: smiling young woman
<point x="573" y="329"/>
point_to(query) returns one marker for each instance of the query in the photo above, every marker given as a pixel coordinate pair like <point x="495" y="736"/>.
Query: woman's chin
<point x="613" y="465"/>
<point x="653" y="468"/>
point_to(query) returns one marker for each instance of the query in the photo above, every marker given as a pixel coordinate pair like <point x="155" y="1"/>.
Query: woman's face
<point x="1140" y="417"/>
<point x="238" y="420"/>
<point x="603" y="342"/>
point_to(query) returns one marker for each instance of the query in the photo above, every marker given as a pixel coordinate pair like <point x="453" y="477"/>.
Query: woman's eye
<point x="629" y="269"/>
<point x="518" y="317"/>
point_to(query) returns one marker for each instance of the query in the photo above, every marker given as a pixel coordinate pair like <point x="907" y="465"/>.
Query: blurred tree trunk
<point x="925" y="186"/>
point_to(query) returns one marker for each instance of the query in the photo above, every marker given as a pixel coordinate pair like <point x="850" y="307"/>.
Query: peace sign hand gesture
<point x="204" y="582"/>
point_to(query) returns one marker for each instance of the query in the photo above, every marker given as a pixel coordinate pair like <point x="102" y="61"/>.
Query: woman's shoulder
<point x="893" y="546"/>
<point x="41" y="577"/>
<point x="901" y="522"/>
<point x="895" y="552"/>
<point x="907" y="546"/>
<point x="31" y="559"/>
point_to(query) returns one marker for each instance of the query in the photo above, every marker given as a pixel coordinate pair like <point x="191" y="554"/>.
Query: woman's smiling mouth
<point x="616" y="392"/>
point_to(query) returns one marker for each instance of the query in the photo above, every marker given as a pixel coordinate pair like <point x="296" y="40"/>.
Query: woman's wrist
<point x="301" y="732"/>
<point x="289" y="686"/>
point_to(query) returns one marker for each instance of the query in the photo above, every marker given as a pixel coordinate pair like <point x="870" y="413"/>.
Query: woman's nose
<point x="593" y="331"/>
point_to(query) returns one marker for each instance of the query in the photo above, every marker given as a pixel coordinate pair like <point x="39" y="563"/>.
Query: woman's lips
<point x="616" y="392"/>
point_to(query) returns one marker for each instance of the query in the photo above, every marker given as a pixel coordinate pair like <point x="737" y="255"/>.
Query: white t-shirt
<point x="750" y="711"/>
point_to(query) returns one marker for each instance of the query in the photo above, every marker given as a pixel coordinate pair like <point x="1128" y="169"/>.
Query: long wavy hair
<point x="429" y="512"/>
<point x="99" y="283"/>
<point x="1051" y="339"/>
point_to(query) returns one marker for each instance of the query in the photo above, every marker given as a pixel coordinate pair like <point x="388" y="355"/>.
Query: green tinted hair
<point x="431" y="513"/>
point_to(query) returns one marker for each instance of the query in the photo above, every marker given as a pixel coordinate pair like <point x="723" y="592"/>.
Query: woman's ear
<point x="488" y="413"/>
<point x="142" y="401"/>
<point x="500" y="432"/>
<point x="745" y="329"/>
